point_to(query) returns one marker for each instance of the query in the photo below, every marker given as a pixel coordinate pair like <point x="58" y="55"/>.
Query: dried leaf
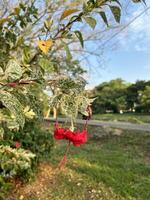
<point x="68" y="12"/>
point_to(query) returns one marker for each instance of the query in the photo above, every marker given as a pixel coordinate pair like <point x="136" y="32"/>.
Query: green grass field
<point x="126" y="117"/>
<point x="106" y="168"/>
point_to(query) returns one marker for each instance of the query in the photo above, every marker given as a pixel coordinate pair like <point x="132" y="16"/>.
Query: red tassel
<point x="77" y="138"/>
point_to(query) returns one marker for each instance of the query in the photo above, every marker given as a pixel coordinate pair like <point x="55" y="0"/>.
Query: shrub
<point x="15" y="161"/>
<point x="4" y="187"/>
<point x="33" y="138"/>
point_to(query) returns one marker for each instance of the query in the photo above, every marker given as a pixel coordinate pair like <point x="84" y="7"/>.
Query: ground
<point x="125" y="117"/>
<point x="109" y="167"/>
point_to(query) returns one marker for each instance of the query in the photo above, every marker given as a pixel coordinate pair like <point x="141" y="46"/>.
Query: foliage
<point x="22" y="64"/>
<point x="4" y="188"/>
<point x="32" y="137"/>
<point x="145" y="98"/>
<point x="15" y="161"/>
<point x="125" y="117"/>
<point x="14" y="106"/>
<point x="36" y="139"/>
<point x="133" y="94"/>
<point x="110" y="96"/>
<point x="34" y="53"/>
<point x="117" y="95"/>
<point x="70" y="97"/>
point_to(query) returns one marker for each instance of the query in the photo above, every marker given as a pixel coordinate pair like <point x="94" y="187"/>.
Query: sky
<point x="131" y="59"/>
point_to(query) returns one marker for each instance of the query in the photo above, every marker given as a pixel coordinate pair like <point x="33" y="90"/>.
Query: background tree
<point x="133" y="91"/>
<point x="144" y="99"/>
<point x="110" y="96"/>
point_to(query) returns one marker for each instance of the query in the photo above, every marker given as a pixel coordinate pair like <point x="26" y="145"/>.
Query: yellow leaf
<point x="44" y="45"/>
<point x="3" y="20"/>
<point x="16" y="10"/>
<point x="26" y="109"/>
<point x="68" y="12"/>
<point x="30" y="114"/>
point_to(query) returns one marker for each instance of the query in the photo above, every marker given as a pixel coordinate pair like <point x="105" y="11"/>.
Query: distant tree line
<point x="119" y="96"/>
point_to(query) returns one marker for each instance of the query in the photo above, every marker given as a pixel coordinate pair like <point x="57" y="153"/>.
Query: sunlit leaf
<point x="13" y="70"/>
<point x="29" y="112"/>
<point x="48" y="24"/>
<point x="90" y="21"/>
<point x="68" y="12"/>
<point x="3" y="20"/>
<point x="13" y="105"/>
<point x="116" y="13"/>
<point x="16" y="10"/>
<point x="45" y="45"/>
<point x="46" y="65"/>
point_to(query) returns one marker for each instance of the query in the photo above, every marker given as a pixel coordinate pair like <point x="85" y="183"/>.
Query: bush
<point x="4" y="187"/>
<point x="33" y="138"/>
<point x="15" y="161"/>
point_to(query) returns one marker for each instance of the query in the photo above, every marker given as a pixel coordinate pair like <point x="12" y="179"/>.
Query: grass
<point x="108" y="167"/>
<point x="126" y="117"/>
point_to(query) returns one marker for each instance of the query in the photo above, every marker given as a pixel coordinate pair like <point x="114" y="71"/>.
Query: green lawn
<point x="106" y="168"/>
<point x="133" y="118"/>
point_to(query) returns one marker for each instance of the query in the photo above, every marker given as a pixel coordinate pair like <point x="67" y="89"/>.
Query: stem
<point x="64" y="159"/>
<point x="72" y="125"/>
<point x="67" y="25"/>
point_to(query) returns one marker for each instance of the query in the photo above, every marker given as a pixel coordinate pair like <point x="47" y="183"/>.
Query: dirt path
<point x="119" y="125"/>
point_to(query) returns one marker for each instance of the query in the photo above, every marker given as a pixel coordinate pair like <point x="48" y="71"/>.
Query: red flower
<point x="77" y="138"/>
<point x="80" y="138"/>
<point x="17" y="144"/>
<point x="59" y="133"/>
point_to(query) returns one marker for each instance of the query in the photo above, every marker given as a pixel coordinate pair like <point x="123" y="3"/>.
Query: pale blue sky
<point x="131" y="60"/>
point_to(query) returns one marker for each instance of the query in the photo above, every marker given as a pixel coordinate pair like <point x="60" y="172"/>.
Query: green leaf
<point x="68" y="53"/>
<point x="48" y="24"/>
<point x="90" y="21"/>
<point x="46" y="65"/>
<point x="139" y="1"/>
<point x="103" y="16"/>
<point x="13" y="71"/>
<point x="116" y="13"/>
<point x="79" y="36"/>
<point x="26" y="54"/>
<point x="14" y="106"/>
